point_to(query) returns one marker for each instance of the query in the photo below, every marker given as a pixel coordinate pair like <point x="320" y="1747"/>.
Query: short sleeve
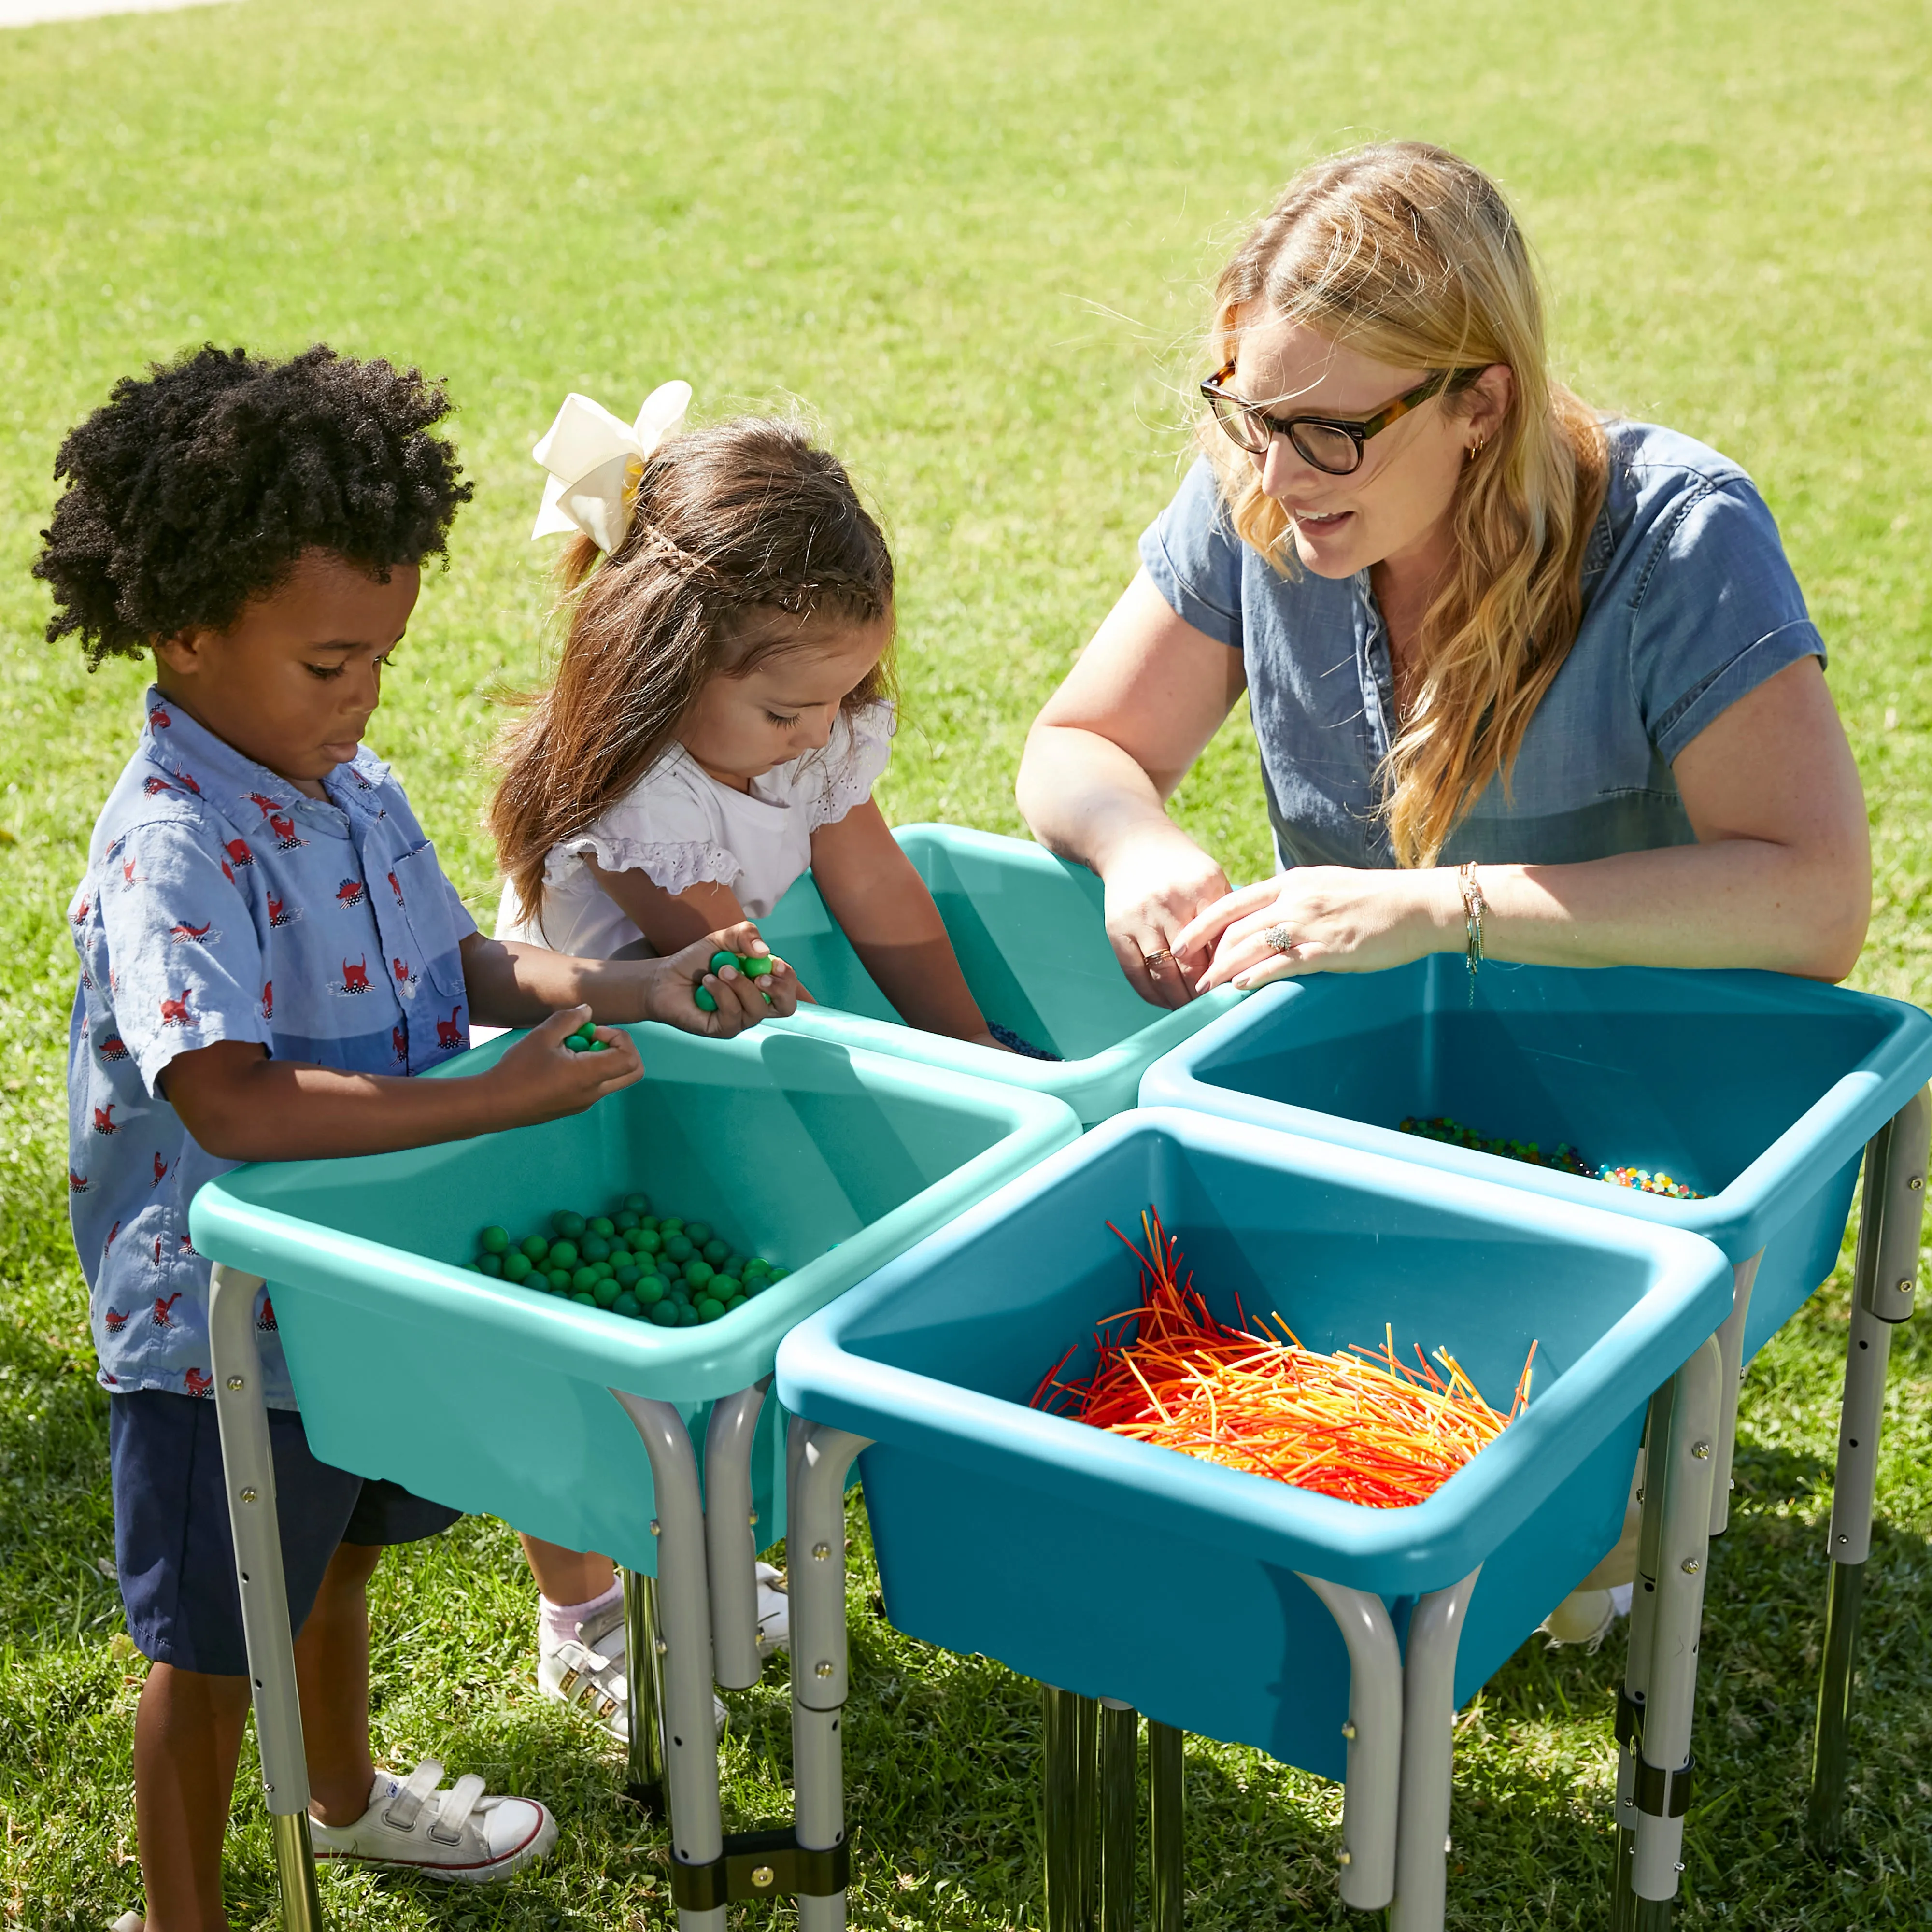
<point x="664" y="827"/>
<point x="1720" y="611"/>
<point x="182" y="949"/>
<point x="860" y="748"/>
<point x="1193" y="556"/>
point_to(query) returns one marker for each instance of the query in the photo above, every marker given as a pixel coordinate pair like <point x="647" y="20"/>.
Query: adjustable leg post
<point x="1118" y="1777"/>
<point x="1428" y="1758"/>
<point x="1372" y="1790"/>
<point x="1167" y="1833"/>
<point x="1884" y="1286"/>
<point x="731" y="1550"/>
<point x="1678" y="1481"/>
<point x="644" y="1768"/>
<point x="1631" y="1699"/>
<point x="248" y="1473"/>
<point x="684" y="1607"/>
<point x="819" y="1458"/>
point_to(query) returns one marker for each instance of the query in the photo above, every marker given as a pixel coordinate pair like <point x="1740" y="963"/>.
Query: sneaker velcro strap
<point x="402" y="1809"/>
<point x="453" y="1814"/>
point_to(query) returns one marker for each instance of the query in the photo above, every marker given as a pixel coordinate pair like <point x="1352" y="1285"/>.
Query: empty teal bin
<point x="495" y="1398"/>
<point x="1759" y="1089"/>
<point x="1119" y="1569"/>
<point x="1032" y="941"/>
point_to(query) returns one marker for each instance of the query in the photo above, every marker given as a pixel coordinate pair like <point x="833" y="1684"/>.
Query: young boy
<point x="268" y="948"/>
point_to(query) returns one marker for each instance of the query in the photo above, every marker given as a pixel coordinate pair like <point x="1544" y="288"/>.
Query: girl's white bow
<point x="595" y="462"/>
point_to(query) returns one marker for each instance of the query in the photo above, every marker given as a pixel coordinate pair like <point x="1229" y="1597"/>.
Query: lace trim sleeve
<point x="853" y="768"/>
<point x="673" y="865"/>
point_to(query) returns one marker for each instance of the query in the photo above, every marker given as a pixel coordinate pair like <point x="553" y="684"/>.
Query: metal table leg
<point x="691" y="1734"/>
<point x="644" y="1768"/>
<point x="1637" y="1667"/>
<point x="1371" y="1795"/>
<point x="1059" y="1839"/>
<point x="731" y="1547"/>
<point x="1885" y="1282"/>
<point x="1678" y="1481"/>
<point x="1118" y="1760"/>
<point x="1428" y="1756"/>
<point x="1167" y="1841"/>
<point x="819" y="1459"/>
<point x="248" y="1472"/>
<point x="1731" y="1346"/>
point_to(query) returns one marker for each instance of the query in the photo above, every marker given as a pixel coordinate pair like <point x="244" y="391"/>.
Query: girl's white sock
<point x="557" y="1623"/>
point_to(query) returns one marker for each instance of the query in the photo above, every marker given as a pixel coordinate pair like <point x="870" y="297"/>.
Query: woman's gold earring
<point x="1476" y="448"/>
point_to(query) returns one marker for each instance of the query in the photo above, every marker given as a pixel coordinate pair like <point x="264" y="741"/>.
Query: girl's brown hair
<point x="1411" y="255"/>
<point x="739" y="534"/>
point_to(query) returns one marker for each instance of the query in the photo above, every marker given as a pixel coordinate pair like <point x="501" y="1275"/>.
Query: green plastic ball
<point x="495" y="1241"/>
<point x="588" y="1030"/>
<point x="701" y="998"/>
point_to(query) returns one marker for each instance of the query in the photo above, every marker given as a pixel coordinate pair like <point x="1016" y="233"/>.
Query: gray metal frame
<point x="1885" y="1281"/>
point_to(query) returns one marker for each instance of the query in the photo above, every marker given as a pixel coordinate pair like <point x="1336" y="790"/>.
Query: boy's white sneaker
<point x="461" y="1833"/>
<point x="774" y="1611"/>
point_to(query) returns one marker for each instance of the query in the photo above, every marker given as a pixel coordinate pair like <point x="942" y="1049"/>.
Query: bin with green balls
<point x="1031" y="934"/>
<point x="456" y="1317"/>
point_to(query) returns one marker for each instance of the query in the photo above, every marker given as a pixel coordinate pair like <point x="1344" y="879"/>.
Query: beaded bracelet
<point x="1473" y="908"/>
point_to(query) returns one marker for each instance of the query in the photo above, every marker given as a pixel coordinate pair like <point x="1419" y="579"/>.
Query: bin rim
<point x="1392" y="1553"/>
<point x="685" y="1365"/>
<point x="1741" y="1217"/>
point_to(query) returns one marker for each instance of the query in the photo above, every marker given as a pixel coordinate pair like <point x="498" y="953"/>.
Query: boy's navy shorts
<point x="172" y="1546"/>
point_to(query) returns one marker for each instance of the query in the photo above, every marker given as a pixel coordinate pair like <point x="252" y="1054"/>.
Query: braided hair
<point x="195" y="487"/>
<point x="740" y="535"/>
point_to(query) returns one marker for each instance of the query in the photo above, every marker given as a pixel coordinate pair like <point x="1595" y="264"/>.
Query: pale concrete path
<point x="32" y="13"/>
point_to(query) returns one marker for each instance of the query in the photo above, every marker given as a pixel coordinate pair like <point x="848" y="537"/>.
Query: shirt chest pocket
<point x="421" y="896"/>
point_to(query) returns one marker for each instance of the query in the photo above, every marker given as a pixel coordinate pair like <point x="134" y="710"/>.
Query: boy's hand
<point x="540" y="1079"/>
<point x="740" y="998"/>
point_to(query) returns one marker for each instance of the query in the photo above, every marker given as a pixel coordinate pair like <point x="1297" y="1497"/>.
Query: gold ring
<point x="1155" y="958"/>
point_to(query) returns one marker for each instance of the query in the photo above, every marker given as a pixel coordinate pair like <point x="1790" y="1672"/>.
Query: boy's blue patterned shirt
<point x="222" y="904"/>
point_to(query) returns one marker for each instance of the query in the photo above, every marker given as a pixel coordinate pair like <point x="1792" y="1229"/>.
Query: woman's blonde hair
<point x="740" y="534"/>
<point x="1410" y="255"/>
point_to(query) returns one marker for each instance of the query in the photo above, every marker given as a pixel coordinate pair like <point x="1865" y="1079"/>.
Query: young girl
<point x="722" y="710"/>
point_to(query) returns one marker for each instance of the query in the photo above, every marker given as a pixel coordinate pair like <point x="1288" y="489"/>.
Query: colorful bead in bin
<point x="1566" y="1160"/>
<point x="585" y="1040"/>
<point x="669" y="1271"/>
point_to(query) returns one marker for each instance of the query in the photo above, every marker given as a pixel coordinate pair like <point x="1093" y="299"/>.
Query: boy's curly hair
<point x="195" y="487"/>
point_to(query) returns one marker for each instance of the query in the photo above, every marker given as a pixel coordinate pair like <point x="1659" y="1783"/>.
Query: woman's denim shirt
<point x="1689" y="604"/>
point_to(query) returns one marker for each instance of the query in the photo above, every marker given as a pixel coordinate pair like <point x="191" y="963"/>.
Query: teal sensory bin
<point x="495" y="1398"/>
<point x="1118" y="1569"/>
<point x="1031" y="940"/>
<point x="1758" y="1089"/>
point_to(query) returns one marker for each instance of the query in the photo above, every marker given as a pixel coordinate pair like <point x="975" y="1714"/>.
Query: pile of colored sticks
<point x="1360" y="1425"/>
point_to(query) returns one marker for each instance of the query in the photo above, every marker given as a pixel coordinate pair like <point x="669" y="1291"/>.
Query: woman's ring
<point x="1279" y="939"/>
<point x="1156" y="957"/>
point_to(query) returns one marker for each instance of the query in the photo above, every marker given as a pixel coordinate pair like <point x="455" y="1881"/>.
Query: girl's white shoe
<point x="1586" y="1616"/>
<point x="461" y="1833"/>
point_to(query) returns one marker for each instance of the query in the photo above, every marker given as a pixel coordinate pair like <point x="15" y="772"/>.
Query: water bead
<point x="560" y="1280"/>
<point x="516" y="1267"/>
<point x="720" y="960"/>
<point x="670" y="1224"/>
<point x="605" y="1292"/>
<point x="568" y="1225"/>
<point x="736" y="1302"/>
<point x="664" y="1314"/>
<point x="698" y="1232"/>
<point x="649" y="1289"/>
<point x="490" y="1265"/>
<point x="715" y="1251"/>
<point x="637" y="1204"/>
<point x="646" y="1241"/>
<point x="626" y="1306"/>
<point x="708" y="1310"/>
<point x="701" y="998"/>
<point x="600" y="1224"/>
<point x="758" y="964"/>
<point x="626" y="1222"/>
<point x="628" y="1276"/>
<point x="584" y="1300"/>
<point x="563" y="1254"/>
<point x="680" y="1248"/>
<point x="494" y="1240"/>
<point x="725" y="1287"/>
<point x="536" y="1247"/>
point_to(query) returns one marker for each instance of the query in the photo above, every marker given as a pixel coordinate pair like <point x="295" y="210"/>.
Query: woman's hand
<point x="1333" y="919"/>
<point x="1156" y="884"/>
<point x="670" y="986"/>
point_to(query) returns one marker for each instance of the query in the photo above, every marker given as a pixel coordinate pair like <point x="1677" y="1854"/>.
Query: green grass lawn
<point x="972" y="241"/>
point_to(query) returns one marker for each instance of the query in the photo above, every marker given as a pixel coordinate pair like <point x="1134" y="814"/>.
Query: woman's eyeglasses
<point x="1331" y="443"/>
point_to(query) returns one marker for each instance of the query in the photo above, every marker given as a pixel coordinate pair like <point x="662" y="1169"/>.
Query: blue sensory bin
<point x="1759" y="1089"/>
<point x="1115" y="1568"/>
<point x="495" y="1398"/>
<point x="1028" y="931"/>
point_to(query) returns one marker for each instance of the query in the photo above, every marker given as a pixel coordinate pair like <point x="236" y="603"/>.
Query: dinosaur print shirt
<point x="220" y="903"/>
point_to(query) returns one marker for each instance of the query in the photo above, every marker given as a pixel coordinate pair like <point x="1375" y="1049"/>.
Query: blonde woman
<point x="1476" y="622"/>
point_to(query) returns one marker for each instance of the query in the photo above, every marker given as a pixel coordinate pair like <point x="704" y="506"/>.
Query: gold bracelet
<point x="1473" y="908"/>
